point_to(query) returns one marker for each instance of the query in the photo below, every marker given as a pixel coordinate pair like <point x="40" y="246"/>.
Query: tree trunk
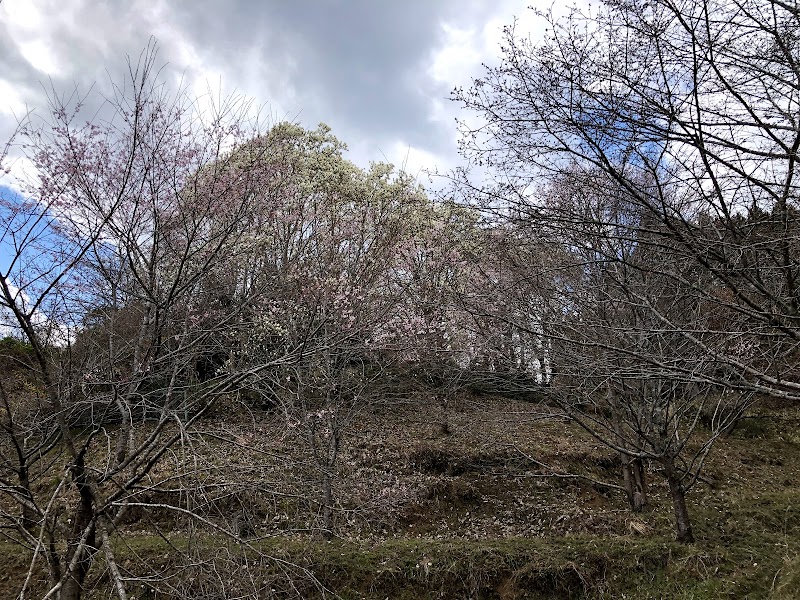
<point x="29" y="516"/>
<point x="51" y="551"/>
<point x="80" y="547"/>
<point x="29" y="519"/>
<point x="632" y="468"/>
<point x="627" y="478"/>
<point x="640" y="500"/>
<point x="634" y="481"/>
<point x="683" y="527"/>
<point x="327" y="507"/>
<point x="73" y="586"/>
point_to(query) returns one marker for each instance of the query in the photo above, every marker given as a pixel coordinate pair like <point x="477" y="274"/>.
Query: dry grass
<point x="489" y="521"/>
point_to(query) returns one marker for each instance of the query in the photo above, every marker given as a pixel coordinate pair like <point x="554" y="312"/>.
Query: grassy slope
<point x="466" y="515"/>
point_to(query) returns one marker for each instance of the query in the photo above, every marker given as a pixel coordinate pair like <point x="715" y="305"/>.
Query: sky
<point x="379" y="72"/>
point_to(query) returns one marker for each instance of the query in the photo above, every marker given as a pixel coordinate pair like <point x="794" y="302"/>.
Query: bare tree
<point x="116" y="283"/>
<point x="653" y="146"/>
<point x="638" y="387"/>
<point x="688" y="109"/>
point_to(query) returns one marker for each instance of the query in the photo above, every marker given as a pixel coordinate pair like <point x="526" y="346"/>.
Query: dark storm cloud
<point x="65" y="50"/>
<point x="362" y="66"/>
<point x="357" y="64"/>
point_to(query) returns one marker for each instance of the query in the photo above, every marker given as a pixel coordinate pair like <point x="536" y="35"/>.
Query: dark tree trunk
<point x="83" y="521"/>
<point x="635" y="483"/>
<point x="51" y="550"/>
<point x="640" y="501"/>
<point x="683" y="526"/>
<point x="29" y="517"/>
<point x="627" y="478"/>
<point x="327" y="507"/>
<point x="632" y="468"/>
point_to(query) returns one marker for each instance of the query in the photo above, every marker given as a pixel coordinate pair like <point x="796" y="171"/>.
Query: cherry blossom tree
<point x="114" y="276"/>
<point x="328" y="237"/>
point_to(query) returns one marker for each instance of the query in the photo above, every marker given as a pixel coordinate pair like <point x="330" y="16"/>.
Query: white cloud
<point x="40" y="56"/>
<point x="22" y="174"/>
<point x="24" y="16"/>
<point x="463" y="49"/>
<point x="457" y="59"/>
<point x="12" y="102"/>
<point x="466" y="44"/>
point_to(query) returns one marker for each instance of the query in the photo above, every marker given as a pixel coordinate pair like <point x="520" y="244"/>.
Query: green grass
<point x="515" y="568"/>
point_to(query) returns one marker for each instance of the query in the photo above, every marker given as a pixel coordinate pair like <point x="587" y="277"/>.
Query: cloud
<point x="378" y="72"/>
<point x="40" y="56"/>
<point x="13" y="103"/>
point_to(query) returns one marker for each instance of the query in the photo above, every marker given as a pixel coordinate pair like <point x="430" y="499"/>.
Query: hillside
<point x="420" y="514"/>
